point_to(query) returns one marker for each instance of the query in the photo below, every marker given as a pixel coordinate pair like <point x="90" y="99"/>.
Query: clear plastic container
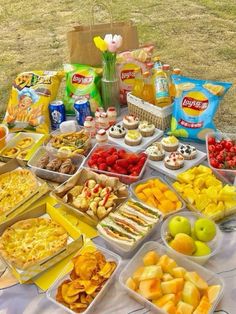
<point x="215" y="244"/>
<point x="228" y="174"/>
<point x="52" y="291"/>
<point x="127" y="253"/>
<point x="133" y="186"/>
<point x="3" y="139"/>
<point x="49" y="174"/>
<point x="136" y="261"/>
<point x="127" y="179"/>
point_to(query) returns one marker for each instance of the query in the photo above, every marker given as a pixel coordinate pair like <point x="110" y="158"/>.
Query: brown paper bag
<point x="80" y="40"/>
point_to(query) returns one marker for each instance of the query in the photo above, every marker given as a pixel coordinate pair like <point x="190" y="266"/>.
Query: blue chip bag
<point x="195" y="105"/>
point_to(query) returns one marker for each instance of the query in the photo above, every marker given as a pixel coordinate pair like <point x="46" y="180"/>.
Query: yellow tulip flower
<point x="100" y="43"/>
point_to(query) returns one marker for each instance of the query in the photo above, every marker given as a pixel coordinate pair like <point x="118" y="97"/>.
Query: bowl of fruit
<point x="221" y="153"/>
<point x="190" y="234"/>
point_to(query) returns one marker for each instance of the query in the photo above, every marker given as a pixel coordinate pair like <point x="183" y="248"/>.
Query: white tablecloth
<point x="28" y="299"/>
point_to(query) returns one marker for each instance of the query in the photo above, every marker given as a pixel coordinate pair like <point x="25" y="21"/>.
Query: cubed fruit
<point x="167" y="277"/>
<point x="158" y="193"/>
<point x="172" y="286"/>
<point x="164" y="299"/>
<point x="150" y="289"/>
<point x="169" y="307"/>
<point x="203" y="307"/>
<point x="178" y="186"/>
<point x="139" y="188"/>
<point x="191" y="294"/>
<point x="178" y="272"/>
<point x="162" y="186"/>
<point x="130" y="283"/>
<point x="166" y="263"/>
<point x="184" y="308"/>
<point x="137" y="274"/>
<point x="170" y="195"/>
<point x="150" y="258"/>
<point x="178" y="296"/>
<point x="212" y="293"/>
<point x="167" y="206"/>
<point x="151" y="272"/>
<point x="147" y="192"/>
<point x="193" y="277"/>
<point x="178" y="205"/>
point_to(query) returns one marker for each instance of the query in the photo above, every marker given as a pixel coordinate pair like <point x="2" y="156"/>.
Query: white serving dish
<point x="51" y="293"/>
<point x="160" y="165"/>
<point x="136" y="261"/>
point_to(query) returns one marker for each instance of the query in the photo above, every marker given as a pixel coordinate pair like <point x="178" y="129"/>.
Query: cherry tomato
<point x="215" y="163"/>
<point x="218" y="147"/>
<point x="211" y="148"/>
<point x="211" y="141"/>
<point x="228" y="145"/>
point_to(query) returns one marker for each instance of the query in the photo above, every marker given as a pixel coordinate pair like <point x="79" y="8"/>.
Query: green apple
<point x="179" y="224"/>
<point x="193" y="235"/>
<point x="201" y="249"/>
<point x="204" y="229"/>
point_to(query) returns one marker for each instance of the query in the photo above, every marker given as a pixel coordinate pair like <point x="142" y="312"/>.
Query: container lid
<point x="176" y="71"/>
<point x="166" y="67"/>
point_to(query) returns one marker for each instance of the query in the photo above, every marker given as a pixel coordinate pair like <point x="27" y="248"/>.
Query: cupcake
<point x="101" y="136"/>
<point x="174" y="161"/>
<point x="133" y="138"/>
<point x="189" y="152"/>
<point x="170" y="143"/>
<point x="146" y="128"/>
<point x="130" y="122"/>
<point x="155" y="152"/>
<point x="117" y="131"/>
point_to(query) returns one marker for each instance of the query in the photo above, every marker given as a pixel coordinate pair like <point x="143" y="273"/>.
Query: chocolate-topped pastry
<point x="117" y="131"/>
<point x="43" y="161"/>
<point x="67" y="167"/>
<point x="188" y="151"/>
<point x="54" y="164"/>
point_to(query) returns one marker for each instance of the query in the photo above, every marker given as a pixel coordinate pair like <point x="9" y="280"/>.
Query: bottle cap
<point x="146" y="74"/>
<point x="166" y="67"/>
<point x="176" y="71"/>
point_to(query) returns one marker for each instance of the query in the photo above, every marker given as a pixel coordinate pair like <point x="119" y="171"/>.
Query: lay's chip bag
<point x="195" y="105"/>
<point x="82" y="81"/>
<point x="31" y="94"/>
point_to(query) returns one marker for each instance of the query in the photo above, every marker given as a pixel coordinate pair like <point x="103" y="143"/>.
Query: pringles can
<point x="82" y="110"/>
<point x="57" y="113"/>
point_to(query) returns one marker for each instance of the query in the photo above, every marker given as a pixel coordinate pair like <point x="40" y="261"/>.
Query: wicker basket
<point x="145" y="111"/>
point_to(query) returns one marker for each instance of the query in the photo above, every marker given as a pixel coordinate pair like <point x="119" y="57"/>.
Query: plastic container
<point x="136" y="261"/>
<point x="216" y="216"/>
<point x="229" y="174"/>
<point x="169" y="186"/>
<point x="51" y="293"/>
<point x="122" y="177"/>
<point x="215" y="244"/>
<point x="127" y="253"/>
<point x="49" y="174"/>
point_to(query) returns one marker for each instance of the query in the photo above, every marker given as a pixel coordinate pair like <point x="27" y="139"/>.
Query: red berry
<point x="211" y="148"/>
<point x="218" y="147"/>
<point x="102" y="166"/>
<point x="122" y="163"/>
<point x="100" y="161"/>
<point x="211" y="141"/>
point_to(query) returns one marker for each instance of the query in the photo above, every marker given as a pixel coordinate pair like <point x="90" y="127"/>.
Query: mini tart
<point x="117" y="131"/>
<point x="146" y="128"/>
<point x="11" y="152"/>
<point x="133" y="138"/>
<point x="23" y="154"/>
<point x="170" y="143"/>
<point x="189" y="152"/>
<point x="130" y="122"/>
<point x="101" y="136"/>
<point x="155" y="152"/>
<point x="174" y="161"/>
<point x="25" y="142"/>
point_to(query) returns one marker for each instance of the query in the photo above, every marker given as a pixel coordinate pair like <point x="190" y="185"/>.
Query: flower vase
<point x="110" y="85"/>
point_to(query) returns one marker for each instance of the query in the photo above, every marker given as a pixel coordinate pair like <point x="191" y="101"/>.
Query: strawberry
<point x="132" y="159"/>
<point x="122" y="153"/>
<point x="100" y="161"/>
<point x="102" y="166"/>
<point x="122" y="163"/>
<point x="110" y="160"/>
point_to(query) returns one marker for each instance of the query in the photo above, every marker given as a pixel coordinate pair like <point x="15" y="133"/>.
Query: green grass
<point x="199" y="36"/>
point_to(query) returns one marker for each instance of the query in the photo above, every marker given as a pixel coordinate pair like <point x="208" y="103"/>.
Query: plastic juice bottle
<point x="172" y="90"/>
<point x="138" y="84"/>
<point x="161" y="87"/>
<point x="157" y="62"/>
<point x="148" y="92"/>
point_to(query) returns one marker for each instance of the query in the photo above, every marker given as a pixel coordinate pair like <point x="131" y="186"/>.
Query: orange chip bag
<point x="31" y="94"/>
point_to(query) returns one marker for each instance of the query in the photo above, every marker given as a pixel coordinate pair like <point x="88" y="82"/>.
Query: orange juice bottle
<point x="148" y="93"/>
<point x="138" y="84"/>
<point x="161" y="87"/>
<point x="172" y="90"/>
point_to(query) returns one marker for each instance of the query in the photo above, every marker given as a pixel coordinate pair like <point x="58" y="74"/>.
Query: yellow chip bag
<point x="31" y="94"/>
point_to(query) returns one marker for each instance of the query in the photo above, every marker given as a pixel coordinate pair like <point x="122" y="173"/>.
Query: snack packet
<point x="82" y="81"/>
<point x="31" y="94"/>
<point x="128" y="63"/>
<point x="195" y="105"/>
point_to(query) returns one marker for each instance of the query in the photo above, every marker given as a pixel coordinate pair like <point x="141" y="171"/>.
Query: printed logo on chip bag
<point x="194" y="103"/>
<point x="81" y="79"/>
<point x="127" y="73"/>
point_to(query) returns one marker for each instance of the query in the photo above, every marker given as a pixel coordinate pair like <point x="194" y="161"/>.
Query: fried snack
<point x="43" y="161"/>
<point x="67" y="167"/>
<point x="54" y="164"/>
<point x="11" y="152"/>
<point x="89" y="275"/>
<point x="71" y="143"/>
<point x="30" y="241"/>
<point x="25" y="142"/>
<point x="15" y="186"/>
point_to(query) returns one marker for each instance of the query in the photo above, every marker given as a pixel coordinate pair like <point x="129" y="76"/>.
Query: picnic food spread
<point x="102" y="161"/>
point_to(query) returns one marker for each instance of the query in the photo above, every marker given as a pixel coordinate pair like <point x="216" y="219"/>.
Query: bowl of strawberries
<point x="221" y="154"/>
<point x="114" y="161"/>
